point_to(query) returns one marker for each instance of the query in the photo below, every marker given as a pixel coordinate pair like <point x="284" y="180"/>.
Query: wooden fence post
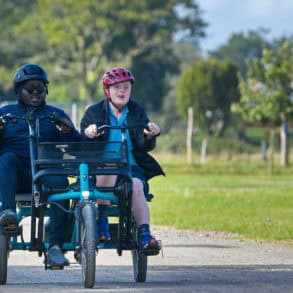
<point x="189" y="136"/>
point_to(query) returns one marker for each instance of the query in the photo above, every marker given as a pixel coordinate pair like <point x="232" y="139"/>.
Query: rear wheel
<point x="88" y="245"/>
<point x="3" y="258"/>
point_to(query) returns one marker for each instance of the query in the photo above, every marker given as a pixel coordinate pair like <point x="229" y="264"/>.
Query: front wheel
<point x="88" y="244"/>
<point x="140" y="263"/>
<point x="3" y="258"/>
<point x="139" y="259"/>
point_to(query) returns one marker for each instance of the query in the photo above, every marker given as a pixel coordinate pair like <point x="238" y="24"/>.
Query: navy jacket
<point x="14" y="137"/>
<point x="99" y="114"/>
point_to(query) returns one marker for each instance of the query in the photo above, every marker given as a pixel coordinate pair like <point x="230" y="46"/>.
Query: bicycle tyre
<point x="3" y="258"/>
<point x="139" y="260"/>
<point x="88" y="245"/>
<point x="140" y="263"/>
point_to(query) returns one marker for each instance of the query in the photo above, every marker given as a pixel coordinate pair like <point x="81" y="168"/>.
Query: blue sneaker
<point x="56" y="258"/>
<point x="103" y="233"/>
<point x="147" y="244"/>
<point x="8" y="218"/>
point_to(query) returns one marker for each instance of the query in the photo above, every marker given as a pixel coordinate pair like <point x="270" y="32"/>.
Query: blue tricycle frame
<point x="82" y="161"/>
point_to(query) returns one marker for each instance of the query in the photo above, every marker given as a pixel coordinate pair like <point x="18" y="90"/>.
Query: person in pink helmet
<point x="118" y="109"/>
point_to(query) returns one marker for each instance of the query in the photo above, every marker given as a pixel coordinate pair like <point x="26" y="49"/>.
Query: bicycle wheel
<point x="3" y="258"/>
<point x="140" y="264"/>
<point x="88" y="244"/>
<point x="139" y="260"/>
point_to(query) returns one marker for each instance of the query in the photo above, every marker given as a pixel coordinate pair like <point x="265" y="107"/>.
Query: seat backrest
<point x="23" y="197"/>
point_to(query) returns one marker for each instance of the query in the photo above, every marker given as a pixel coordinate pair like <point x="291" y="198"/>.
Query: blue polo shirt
<point x="115" y="134"/>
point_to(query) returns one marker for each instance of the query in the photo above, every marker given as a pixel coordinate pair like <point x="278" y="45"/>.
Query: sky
<point x="226" y="17"/>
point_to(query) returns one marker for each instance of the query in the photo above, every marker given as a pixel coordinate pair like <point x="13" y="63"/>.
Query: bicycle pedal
<point x="153" y="248"/>
<point x="151" y="251"/>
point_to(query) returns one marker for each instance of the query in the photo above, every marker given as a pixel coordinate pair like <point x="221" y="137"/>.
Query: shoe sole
<point x="12" y="230"/>
<point x="55" y="268"/>
<point x="104" y="239"/>
<point x="9" y="223"/>
<point x="153" y="248"/>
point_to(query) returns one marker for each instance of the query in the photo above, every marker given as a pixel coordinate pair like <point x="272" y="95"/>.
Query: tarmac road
<point x="191" y="262"/>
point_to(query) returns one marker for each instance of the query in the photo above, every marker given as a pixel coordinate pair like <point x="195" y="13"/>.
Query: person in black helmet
<point x="31" y="87"/>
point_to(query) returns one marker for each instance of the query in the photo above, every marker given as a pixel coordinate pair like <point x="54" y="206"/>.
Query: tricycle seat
<point x="23" y="197"/>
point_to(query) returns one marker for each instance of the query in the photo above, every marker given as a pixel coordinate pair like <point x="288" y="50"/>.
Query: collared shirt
<point x="115" y="134"/>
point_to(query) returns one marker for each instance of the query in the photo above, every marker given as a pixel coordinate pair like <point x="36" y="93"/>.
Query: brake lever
<point x="101" y="129"/>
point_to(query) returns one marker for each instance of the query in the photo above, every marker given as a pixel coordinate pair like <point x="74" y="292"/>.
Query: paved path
<point x="191" y="262"/>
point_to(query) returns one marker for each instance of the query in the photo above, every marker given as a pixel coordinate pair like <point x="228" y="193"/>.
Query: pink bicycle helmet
<point x="116" y="75"/>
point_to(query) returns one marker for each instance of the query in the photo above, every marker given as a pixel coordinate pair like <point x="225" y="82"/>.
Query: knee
<point x="137" y="187"/>
<point x="8" y="160"/>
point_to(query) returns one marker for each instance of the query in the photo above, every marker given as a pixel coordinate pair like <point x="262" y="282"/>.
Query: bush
<point x="175" y="142"/>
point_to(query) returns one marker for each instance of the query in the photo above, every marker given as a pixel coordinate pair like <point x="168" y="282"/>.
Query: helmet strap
<point x="107" y="92"/>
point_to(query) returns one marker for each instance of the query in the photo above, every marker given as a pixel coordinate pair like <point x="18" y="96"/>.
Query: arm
<point x="88" y="128"/>
<point x="66" y="128"/>
<point x="91" y="120"/>
<point x="145" y="139"/>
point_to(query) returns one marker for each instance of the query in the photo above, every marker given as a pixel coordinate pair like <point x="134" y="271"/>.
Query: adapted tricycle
<point x="80" y="161"/>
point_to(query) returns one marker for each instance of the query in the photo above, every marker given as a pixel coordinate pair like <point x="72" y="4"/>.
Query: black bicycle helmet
<point x="27" y="72"/>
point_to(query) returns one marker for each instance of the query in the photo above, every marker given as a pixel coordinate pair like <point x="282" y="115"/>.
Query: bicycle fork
<point x="84" y="197"/>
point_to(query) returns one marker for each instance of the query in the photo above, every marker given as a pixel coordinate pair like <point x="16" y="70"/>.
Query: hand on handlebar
<point x="152" y="130"/>
<point x="63" y="124"/>
<point x="3" y="120"/>
<point x="63" y="128"/>
<point x="91" y="131"/>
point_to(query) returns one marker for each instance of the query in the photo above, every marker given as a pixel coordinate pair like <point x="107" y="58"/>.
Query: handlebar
<point x="54" y="117"/>
<point x="101" y="128"/>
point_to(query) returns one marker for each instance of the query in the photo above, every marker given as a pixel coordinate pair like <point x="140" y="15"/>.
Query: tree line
<point x="76" y="41"/>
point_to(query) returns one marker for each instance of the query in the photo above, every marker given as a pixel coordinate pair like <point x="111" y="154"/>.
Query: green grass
<point x="252" y="205"/>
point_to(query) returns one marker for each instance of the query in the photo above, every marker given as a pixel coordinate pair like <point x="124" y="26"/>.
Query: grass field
<point x="241" y="199"/>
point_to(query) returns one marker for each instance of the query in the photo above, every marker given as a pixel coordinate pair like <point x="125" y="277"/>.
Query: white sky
<point x="226" y="17"/>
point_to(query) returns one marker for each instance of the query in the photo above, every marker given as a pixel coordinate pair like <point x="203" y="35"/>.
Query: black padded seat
<point x="23" y="197"/>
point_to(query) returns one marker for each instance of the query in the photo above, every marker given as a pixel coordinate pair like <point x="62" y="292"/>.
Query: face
<point x="120" y="93"/>
<point x="33" y="92"/>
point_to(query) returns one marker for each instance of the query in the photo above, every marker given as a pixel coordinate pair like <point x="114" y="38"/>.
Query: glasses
<point x="35" y="90"/>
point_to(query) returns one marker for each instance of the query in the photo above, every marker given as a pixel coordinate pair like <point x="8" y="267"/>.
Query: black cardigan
<point x="99" y="114"/>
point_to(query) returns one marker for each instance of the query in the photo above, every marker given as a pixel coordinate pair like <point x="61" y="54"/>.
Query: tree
<point x="209" y="87"/>
<point x="242" y="47"/>
<point x="266" y="90"/>
<point x="12" y="49"/>
<point x="81" y="39"/>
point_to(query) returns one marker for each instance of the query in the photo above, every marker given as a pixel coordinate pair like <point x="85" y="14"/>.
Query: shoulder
<point x="99" y="106"/>
<point x="50" y="109"/>
<point x="135" y="107"/>
<point x="9" y="108"/>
